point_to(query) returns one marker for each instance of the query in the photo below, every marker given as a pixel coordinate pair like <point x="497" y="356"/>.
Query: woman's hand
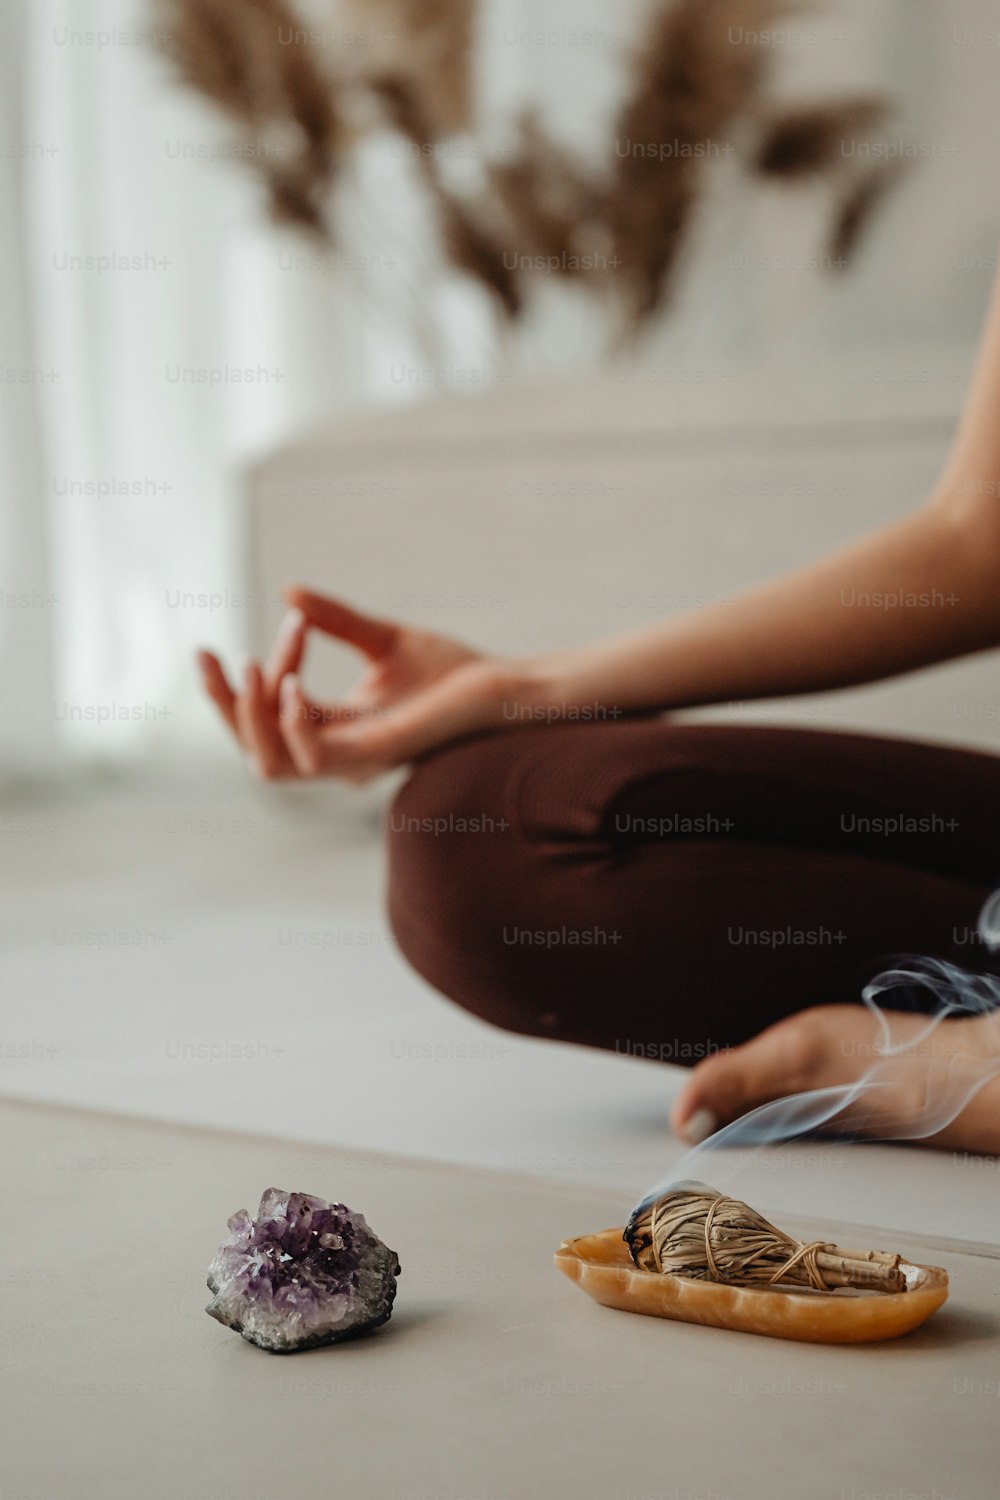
<point x="419" y="690"/>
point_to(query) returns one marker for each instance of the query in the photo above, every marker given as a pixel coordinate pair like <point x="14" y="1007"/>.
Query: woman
<point x="680" y="891"/>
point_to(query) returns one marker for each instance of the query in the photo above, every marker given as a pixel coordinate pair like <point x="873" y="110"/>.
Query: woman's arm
<point x="922" y="591"/>
<point x="932" y="588"/>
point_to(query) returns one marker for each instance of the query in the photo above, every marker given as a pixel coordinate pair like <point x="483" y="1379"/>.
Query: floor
<point x="213" y="952"/>
<point x="496" y="1378"/>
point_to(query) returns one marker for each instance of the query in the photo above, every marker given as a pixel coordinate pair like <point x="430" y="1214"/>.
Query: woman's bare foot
<point x="833" y="1046"/>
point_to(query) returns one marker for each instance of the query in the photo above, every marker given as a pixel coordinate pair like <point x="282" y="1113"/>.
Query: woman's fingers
<point x="258" y="727"/>
<point x="217" y="687"/>
<point x="287" y="651"/>
<point x="317" y="736"/>
<point x="299" y="722"/>
<point x="372" y="637"/>
<point x="375" y="740"/>
<point x="283" y="731"/>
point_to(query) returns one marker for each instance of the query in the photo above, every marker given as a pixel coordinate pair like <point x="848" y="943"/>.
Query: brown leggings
<point x="662" y="890"/>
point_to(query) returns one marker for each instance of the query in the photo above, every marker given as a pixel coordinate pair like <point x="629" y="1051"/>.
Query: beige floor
<point x="495" y="1380"/>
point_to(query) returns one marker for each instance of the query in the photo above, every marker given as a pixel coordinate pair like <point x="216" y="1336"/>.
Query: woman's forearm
<point x="920" y="592"/>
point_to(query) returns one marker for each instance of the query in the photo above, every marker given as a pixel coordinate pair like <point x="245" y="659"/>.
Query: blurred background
<point x="130" y="443"/>
<point x="525" y="321"/>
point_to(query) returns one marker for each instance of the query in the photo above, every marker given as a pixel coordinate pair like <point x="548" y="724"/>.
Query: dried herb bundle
<point x="856" y="209"/>
<point x="696" y="1232"/>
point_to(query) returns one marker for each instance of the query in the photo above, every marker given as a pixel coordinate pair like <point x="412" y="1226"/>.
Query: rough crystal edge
<point x="322" y="1341"/>
<point x="387" y="1266"/>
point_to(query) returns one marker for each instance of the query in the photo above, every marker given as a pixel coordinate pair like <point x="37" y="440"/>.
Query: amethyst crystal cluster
<point x="303" y="1273"/>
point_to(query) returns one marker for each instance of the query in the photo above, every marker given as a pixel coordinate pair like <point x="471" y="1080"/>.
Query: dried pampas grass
<point x="692" y="84"/>
<point x="232" y="51"/>
<point x="553" y="207"/>
<point x="426" y="43"/>
<point x="855" y="211"/>
<point x="467" y="241"/>
<point x="302" y="95"/>
<point x="808" y="141"/>
<point x="695" y="1231"/>
<point x="471" y="247"/>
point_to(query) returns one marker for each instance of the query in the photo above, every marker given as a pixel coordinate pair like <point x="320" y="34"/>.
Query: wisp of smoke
<point x="914" y="1087"/>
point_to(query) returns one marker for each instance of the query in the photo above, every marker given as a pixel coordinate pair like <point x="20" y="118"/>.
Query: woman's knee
<point x="512" y="893"/>
<point x="467" y="875"/>
<point x="452" y="843"/>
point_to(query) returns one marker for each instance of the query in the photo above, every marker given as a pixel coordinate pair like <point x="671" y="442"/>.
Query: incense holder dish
<point x="602" y="1266"/>
<point x="303" y="1273"/>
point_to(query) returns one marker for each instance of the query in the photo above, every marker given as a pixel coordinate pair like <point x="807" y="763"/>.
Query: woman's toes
<point x="699" y="1126"/>
<point x="786" y="1059"/>
<point x="715" y="1093"/>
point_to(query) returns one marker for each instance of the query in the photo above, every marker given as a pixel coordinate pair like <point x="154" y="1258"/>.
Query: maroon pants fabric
<point x="663" y="890"/>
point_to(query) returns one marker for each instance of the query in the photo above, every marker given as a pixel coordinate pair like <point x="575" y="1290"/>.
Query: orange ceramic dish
<point x="600" y="1264"/>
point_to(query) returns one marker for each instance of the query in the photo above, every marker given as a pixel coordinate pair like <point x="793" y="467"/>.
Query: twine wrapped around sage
<point x="695" y="1231"/>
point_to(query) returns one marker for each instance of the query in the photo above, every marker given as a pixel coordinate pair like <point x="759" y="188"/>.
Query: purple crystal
<point x="303" y="1273"/>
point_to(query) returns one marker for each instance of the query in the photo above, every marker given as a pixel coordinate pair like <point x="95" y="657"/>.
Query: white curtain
<point x="184" y="335"/>
<point x="27" y="597"/>
<point x="177" y="336"/>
